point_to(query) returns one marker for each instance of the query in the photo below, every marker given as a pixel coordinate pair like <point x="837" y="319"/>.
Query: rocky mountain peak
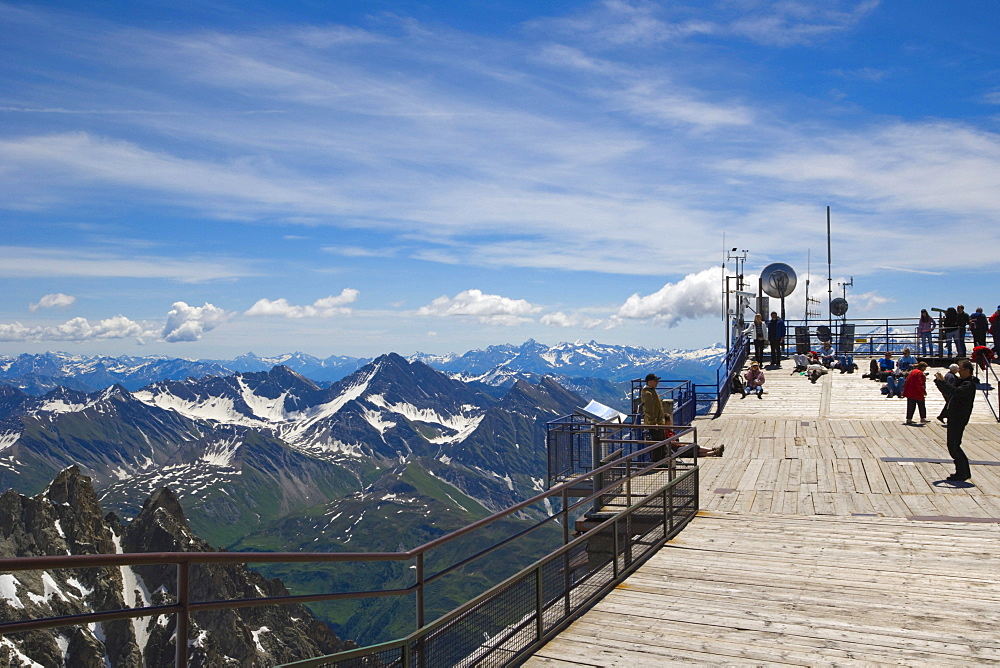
<point x="65" y="519"/>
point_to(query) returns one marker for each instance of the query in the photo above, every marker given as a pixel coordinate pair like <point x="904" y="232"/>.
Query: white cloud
<point x="489" y="309"/>
<point x="694" y="296"/>
<point x="321" y="308"/>
<point x="189" y="323"/>
<point x="869" y="301"/>
<point x="55" y="300"/>
<point x="560" y="319"/>
<point x="79" y="329"/>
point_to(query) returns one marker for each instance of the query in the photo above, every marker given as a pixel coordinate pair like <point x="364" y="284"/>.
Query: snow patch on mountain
<point x="221" y="453"/>
<point x="461" y="424"/>
<point x="217" y="409"/>
<point x="62" y="406"/>
<point x="377" y="421"/>
<point x="269" y="410"/>
<point x="8" y="439"/>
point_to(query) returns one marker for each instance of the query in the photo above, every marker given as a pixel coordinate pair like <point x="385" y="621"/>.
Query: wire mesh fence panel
<point x="488" y="633"/>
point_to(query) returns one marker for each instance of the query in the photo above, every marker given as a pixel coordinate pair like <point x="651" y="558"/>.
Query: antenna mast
<point x="829" y="270"/>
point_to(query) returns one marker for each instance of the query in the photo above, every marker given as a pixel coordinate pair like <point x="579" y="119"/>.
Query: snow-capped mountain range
<point x="496" y="365"/>
<point x="226" y="443"/>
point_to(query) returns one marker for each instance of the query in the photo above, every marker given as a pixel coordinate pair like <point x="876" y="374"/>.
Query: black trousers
<point x="758" y="350"/>
<point x="914" y="403"/>
<point x="660" y="453"/>
<point x="955" y="431"/>
<point x="775" y="352"/>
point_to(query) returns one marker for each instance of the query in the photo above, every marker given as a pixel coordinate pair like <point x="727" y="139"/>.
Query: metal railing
<point x="707" y="395"/>
<point x="576" y="443"/>
<point x="508" y="622"/>
<point x="654" y="500"/>
<point x="872" y="336"/>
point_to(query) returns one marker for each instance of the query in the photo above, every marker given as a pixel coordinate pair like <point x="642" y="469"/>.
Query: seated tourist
<point x="828" y="356"/>
<point x="887" y="372"/>
<point x="801" y="362"/>
<point x="815" y="368"/>
<point x="907" y="361"/>
<point x="755" y="381"/>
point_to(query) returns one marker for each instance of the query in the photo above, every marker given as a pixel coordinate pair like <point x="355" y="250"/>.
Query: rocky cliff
<point x="66" y="518"/>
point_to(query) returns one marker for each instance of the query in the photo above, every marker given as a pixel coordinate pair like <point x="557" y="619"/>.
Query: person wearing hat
<point x="653" y="414"/>
<point x="755" y="381"/>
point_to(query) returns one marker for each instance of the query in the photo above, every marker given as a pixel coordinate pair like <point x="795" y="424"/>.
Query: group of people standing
<point x="955" y="325"/>
<point x="770" y="333"/>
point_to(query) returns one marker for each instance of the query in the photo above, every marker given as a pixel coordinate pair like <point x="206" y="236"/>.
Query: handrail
<point x="539" y="623"/>
<point x="184" y="607"/>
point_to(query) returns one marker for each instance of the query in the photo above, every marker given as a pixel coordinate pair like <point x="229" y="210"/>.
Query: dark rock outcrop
<point x="66" y="519"/>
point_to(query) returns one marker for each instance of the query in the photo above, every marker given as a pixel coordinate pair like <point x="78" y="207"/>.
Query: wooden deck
<point x="827" y="537"/>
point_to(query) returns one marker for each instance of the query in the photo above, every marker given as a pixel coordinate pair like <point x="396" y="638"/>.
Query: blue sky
<point x="353" y="178"/>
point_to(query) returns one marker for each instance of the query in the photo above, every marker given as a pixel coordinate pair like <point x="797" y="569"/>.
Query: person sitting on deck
<point x="907" y="361"/>
<point x="887" y="372"/>
<point x="801" y="362"/>
<point x="828" y="356"/>
<point x="815" y="368"/>
<point x="755" y="381"/>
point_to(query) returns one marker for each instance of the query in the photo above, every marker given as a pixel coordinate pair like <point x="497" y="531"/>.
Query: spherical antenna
<point x="838" y="306"/>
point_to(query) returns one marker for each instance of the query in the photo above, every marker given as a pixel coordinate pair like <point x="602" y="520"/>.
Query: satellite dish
<point x="777" y="280"/>
<point x="838" y="306"/>
<point x="824" y="334"/>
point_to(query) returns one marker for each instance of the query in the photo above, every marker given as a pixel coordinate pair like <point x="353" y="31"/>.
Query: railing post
<point x="420" y="590"/>
<point x="184" y="616"/>
<point x="628" y="482"/>
<point x="616" y="548"/>
<point x="539" y="604"/>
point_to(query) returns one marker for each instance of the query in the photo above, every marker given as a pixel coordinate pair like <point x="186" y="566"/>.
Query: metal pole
<point x="184" y="616"/>
<point x="420" y="590"/>
<point x="829" y="272"/>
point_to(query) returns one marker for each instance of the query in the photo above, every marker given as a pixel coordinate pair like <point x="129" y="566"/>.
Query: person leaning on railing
<point x="950" y="328"/>
<point x="925" y="326"/>
<point x="979" y="325"/>
<point x="995" y="330"/>
<point x="963" y="324"/>
<point x="654" y="417"/>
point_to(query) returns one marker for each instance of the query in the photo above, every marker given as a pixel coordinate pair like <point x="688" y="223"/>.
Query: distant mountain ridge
<point x="396" y="451"/>
<point x="498" y="365"/>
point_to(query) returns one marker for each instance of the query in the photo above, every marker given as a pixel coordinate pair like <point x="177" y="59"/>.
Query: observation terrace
<point x="826" y="535"/>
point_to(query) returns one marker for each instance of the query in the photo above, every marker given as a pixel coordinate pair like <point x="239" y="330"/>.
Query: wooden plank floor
<point x="812" y="549"/>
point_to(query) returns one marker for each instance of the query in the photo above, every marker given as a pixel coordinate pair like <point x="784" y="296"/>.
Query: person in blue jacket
<point x="775" y="336"/>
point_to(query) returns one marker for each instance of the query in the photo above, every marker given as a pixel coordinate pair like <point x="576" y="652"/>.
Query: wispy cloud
<point x="21" y="262"/>
<point x="55" y="300"/>
<point x="911" y="271"/>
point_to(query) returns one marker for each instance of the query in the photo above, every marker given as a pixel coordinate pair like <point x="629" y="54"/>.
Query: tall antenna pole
<point x="829" y="271"/>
